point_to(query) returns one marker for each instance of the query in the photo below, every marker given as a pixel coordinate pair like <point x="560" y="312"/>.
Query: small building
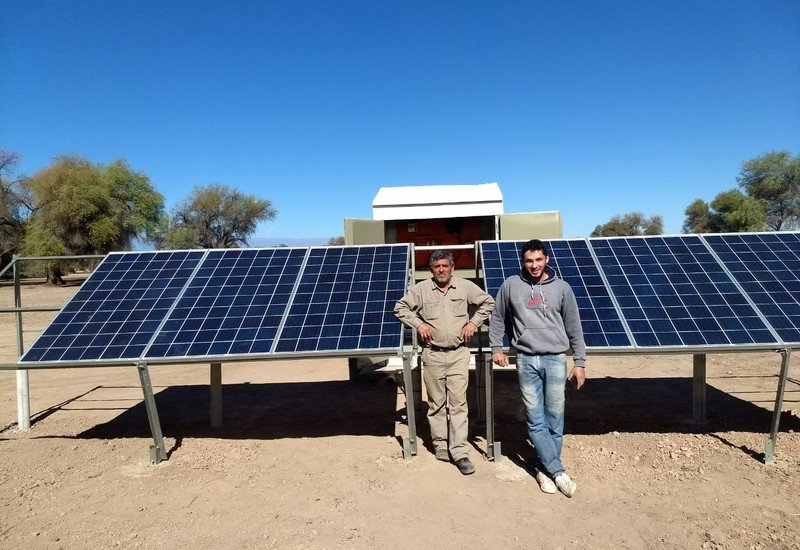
<point x="442" y="215"/>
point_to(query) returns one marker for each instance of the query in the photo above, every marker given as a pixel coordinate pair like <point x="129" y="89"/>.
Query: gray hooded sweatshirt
<point x="539" y="318"/>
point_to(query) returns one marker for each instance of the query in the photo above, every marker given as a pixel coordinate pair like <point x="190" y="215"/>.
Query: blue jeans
<point x="541" y="380"/>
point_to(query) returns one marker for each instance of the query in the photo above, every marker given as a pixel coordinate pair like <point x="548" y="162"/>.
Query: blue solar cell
<point x="344" y="300"/>
<point x="767" y="267"/>
<point x="678" y="289"/>
<point x="573" y="261"/>
<point x="118" y="308"/>
<point x="233" y="305"/>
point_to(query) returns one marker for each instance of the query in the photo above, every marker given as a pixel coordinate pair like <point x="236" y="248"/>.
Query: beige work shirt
<point x="445" y="312"/>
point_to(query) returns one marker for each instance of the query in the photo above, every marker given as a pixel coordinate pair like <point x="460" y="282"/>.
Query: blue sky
<point x="590" y="108"/>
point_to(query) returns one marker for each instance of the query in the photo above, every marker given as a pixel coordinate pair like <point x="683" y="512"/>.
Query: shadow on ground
<point x="264" y="411"/>
<point x="323" y="409"/>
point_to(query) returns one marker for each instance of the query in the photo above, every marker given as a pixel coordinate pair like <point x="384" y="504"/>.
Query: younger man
<point x="539" y="312"/>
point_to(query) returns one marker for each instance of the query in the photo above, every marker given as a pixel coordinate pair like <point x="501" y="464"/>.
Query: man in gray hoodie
<point x="538" y="312"/>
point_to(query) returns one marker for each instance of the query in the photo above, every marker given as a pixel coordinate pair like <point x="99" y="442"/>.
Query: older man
<point x="437" y="309"/>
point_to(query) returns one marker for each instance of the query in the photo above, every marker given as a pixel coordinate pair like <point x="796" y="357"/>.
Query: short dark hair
<point x="437" y="255"/>
<point x="532" y="246"/>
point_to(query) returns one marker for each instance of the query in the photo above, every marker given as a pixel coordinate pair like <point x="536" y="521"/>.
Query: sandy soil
<point x="307" y="459"/>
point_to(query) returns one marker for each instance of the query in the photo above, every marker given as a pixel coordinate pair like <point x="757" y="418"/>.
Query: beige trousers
<point x="446" y="375"/>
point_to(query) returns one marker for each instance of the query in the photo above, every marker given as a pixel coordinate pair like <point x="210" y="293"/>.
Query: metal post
<point x="410" y="443"/>
<point x="699" y="388"/>
<point x="769" y="449"/>
<point x="480" y="387"/>
<point x="216" y="395"/>
<point x="492" y="446"/>
<point x="157" y="451"/>
<point x="23" y="383"/>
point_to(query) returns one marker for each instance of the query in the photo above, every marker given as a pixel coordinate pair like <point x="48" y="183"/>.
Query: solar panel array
<point x="673" y="292"/>
<point x="230" y="303"/>
<point x="340" y="304"/>
<point x="767" y="266"/>
<point x="679" y="292"/>
<point x="233" y="305"/>
<point x="118" y="309"/>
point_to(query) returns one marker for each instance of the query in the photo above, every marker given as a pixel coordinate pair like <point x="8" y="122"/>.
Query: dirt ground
<point x="307" y="459"/>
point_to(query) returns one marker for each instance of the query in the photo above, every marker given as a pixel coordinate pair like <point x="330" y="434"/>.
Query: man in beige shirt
<point x="437" y="309"/>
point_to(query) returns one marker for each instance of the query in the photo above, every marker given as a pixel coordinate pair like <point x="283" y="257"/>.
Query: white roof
<point x="437" y="201"/>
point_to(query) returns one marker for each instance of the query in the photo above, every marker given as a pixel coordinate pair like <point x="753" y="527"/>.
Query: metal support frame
<point x="410" y="442"/>
<point x="769" y="448"/>
<point x="699" y="388"/>
<point x="492" y="446"/>
<point x="157" y="450"/>
<point x="216" y="395"/>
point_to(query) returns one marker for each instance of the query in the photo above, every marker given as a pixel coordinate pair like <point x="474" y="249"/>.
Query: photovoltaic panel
<point x="118" y="308"/>
<point x="673" y="292"/>
<point x="232" y="306"/>
<point x="573" y="261"/>
<point x="767" y="266"/>
<point x="345" y="300"/>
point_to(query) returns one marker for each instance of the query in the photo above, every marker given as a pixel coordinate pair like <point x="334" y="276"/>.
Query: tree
<point x="775" y="179"/>
<point x="336" y="241"/>
<point x="216" y="216"/>
<point x="86" y="208"/>
<point x="730" y="212"/>
<point x="15" y="206"/>
<point x="632" y="223"/>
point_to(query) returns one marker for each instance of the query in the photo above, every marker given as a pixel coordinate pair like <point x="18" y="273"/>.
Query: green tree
<point x="730" y="212"/>
<point x="632" y="223"/>
<point x="774" y="178"/>
<point x="336" y="241"/>
<point x="216" y="216"/>
<point x="15" y="206"/>
<point x="86" y="208"/>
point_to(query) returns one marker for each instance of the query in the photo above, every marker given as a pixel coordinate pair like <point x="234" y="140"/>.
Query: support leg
<point x="23" y="401"/>
<point x="492" y="446"/>
<point x="699" y="388"/>
<point x="776" y="414"/>
<point x="157" y="451"/>
<point x="410" y="443"/>
<point x="216" y="395"/>
<point x="23" y="385"/>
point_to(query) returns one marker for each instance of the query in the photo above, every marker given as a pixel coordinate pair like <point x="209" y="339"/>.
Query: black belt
<point x="439" y="348"/>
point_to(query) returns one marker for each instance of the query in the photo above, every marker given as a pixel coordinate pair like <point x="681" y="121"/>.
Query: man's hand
<point x="468" y="330"/>
<point x="580" y="376"/>
<point x="500" y="359"/>
<point x="425" y="332"/>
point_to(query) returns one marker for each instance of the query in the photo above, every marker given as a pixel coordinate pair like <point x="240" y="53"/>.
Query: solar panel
<point x="573" y="261"/>
<point x="673" y="292"/>
<point x="767" y="266"/>
<point x="345" y="299"/>
<point x="118" y="308"/>
<point x="232" y="306"/>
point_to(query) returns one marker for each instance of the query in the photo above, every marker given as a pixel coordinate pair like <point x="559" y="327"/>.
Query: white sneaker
<point x="545" y="483"/>
<point x="565" y="484"/>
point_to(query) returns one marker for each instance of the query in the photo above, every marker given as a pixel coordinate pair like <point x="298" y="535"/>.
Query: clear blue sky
<point x="590" y="108"/>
